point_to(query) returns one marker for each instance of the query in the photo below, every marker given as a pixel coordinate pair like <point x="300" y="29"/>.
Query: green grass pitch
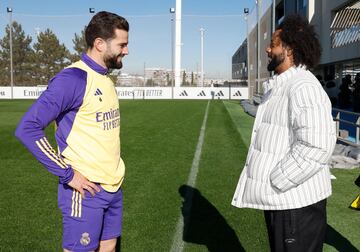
<point x="158" y="142"/>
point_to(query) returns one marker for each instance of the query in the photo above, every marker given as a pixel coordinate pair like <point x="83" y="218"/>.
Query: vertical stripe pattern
<point x="292" y="140"/>
<point x="46" y="148"/>
<point x="76" y="204"/>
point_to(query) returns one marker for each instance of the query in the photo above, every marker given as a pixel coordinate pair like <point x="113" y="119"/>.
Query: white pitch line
<point x="178" y="243"/>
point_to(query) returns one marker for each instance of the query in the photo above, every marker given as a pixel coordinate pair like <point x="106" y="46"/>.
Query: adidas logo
<point x="202" y="93"/>
<point x="238" y="93"/>
<point x="220" y="93"/>
<point x="183" y="93"/>
<point x="98" y="92"/>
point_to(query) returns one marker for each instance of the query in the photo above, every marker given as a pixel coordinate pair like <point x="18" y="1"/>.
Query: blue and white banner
<point x="146" y="93"/>
<point x="21" y="92"/>
<point x="183" y="93"/>
<point x="5" y="92"/>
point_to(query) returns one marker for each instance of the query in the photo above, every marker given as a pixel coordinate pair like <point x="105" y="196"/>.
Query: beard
<point x="276" y="60"/>
<point x="111" y="61"/>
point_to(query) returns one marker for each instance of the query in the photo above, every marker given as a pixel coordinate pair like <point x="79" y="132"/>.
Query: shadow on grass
<point x="339" y="242"/>
<point x="203" y="224"/>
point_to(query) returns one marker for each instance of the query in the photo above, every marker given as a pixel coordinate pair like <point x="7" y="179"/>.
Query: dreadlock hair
<point x="300" y="36"/>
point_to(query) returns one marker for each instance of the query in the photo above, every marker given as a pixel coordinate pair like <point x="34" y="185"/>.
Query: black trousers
<point x="294" y="230"/>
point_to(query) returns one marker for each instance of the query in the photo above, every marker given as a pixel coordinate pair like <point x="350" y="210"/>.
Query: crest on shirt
<point x="85" y="239"/>
<point x="98" y="93"/>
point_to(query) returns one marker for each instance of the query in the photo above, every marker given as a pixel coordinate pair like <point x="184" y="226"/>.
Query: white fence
<point x="205" y="93"/>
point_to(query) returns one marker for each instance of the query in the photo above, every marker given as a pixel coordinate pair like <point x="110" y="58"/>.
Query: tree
<point x="150" y="82"/>
<point x="23" y="67"/>
<point x="168" y="81"/>
<point x="184" y="79"/>
<point x="79" y="45"/>
<point x="50" y="56"/>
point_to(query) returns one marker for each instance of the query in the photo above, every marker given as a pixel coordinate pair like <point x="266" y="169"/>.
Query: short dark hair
<point x="103" y="25"/>
<point x="300" y="36"/>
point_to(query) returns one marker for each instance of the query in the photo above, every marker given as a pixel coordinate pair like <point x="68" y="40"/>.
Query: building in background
<point x="157" y="77"/>
<point x="163" y="77"/>
<point x="239" y="64"/>
<point x="338" y="27"/>
<point x="337" y="23"/>
<point x="128" y="80"/>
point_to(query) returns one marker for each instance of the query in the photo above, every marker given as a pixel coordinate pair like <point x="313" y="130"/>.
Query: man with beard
<point x="286" y="172"/>
<point x="83" y="102"/>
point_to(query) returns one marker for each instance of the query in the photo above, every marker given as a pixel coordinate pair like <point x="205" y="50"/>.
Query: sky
<point x="150" y="42"/>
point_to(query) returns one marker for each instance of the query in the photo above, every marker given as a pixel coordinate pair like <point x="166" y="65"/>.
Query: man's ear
<point x="290" y="54"/>
<point x="289" y="51"/>
<point x="100" y="45"/>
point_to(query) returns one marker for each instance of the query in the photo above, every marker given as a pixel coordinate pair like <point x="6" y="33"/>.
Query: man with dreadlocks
<point x="286" y="172"/>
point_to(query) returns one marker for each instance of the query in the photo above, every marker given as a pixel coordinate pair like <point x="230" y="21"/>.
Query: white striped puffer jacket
<point x="292" y="140"/>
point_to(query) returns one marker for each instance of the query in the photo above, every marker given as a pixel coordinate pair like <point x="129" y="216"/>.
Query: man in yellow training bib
<point x="83" y="102"/>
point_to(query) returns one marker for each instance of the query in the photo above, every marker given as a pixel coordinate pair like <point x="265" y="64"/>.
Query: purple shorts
<point x="87" y="221"/>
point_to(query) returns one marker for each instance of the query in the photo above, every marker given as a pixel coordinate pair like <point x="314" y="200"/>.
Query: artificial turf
<point x="158" y="142"/>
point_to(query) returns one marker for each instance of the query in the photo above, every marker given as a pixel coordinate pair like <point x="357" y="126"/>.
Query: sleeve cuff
<point x="280" y="181"/>
<point x="68" y="176"/>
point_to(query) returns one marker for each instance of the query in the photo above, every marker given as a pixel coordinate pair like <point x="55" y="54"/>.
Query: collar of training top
<point x="93" y="65"/>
